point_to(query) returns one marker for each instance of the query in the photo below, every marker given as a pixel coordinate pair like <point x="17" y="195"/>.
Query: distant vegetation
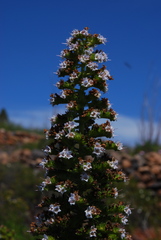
<point x="7" y="124"/>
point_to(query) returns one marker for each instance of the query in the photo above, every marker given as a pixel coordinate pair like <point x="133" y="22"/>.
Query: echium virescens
<point x="80" y="185"/>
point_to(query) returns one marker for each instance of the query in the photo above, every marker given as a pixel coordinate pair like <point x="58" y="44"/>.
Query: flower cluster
<point x="80" y="173"/>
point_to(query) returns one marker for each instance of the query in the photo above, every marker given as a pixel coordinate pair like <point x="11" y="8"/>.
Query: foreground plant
<point x="80" y="185"/>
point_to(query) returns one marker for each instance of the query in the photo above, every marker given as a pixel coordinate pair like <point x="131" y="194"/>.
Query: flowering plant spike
<point x="79" y="188"/>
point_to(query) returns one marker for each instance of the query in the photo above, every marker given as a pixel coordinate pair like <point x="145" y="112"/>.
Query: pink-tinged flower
<point x="101" y="39"/>
<point x="98" y="149"/>
<point x="65" y="154"/>
<point x="60" y="188"/>
<point x="101" y="57"/>
<point x="86" y="82"/>
<point x="127" y="210"/>
<point x="93" y="66"/>
<point x="95" y="114"/>
<point x="92" y="232"/>
<point x="84" y="177"/>
<point x="113" y="164"/>
<point x="55" y="208"/>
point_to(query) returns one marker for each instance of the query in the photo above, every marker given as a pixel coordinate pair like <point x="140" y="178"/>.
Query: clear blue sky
<point x="32" y="35"/>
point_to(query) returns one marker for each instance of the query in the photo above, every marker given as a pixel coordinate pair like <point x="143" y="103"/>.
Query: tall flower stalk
<point x="79" y="188"/>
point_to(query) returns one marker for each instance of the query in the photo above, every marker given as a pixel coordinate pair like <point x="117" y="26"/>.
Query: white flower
<point x="124" y="220"/>
<point x="95" y="114"/>
<point x="98" y="150"/>
<point x="47" y="135"/>
<point x="127" y="210"/>
<point x="70" y="105"/>
<point x="75" y="32"/>
<point x="119" y="146"/>
<point x="84" y="177"/>
<point x="47" y="150"/>
<point x="53" y="119"/>
<point x="49" y="221"/>
<point x="105" y="74"/>
<point x="70" y="135"/>
<point x="93" y="231"/>
<point x="101" y="57"/>
<point x="69" y="41"/>
<point x="109" y="129"/>
<point x="52" y="99"/>
<point x="45" y="237"/>
<point x="115" y="191"/>
<point x="88" y="212"/>
<point x="73" y="76"/>
<point x="62" y="95"/>
<point x="83" y="58"/>
<point x="93" y="66"/>
<point x="60" y="188"/>
<point x="59" y="134"/>
<point x="63" y="53"/>
<point x="84" y="32"/>
<point x="113" y="164"/>
<point x="123" y="233"/>
<point x="72" y="199"/>
<point x="63" y="64"/>
<point x="89" y="51"/>
<point x="65" y="154"/>
<point x="105" y="88"/>
<point x="54" y="208"/>
<point x="73" y="46"/>
<point x="70" y="125"/>
<point x="44" y="183"/>
<point x="101" y="39"/>
<point x="86" y="82"/>
<point x="87" y="166"/>
<point x="42" y="164"/>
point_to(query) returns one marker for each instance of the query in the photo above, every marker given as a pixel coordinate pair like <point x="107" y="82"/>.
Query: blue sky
<point x="32" y="35"/>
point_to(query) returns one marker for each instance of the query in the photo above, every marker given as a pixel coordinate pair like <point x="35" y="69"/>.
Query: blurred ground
<point x="20" y="154"/>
